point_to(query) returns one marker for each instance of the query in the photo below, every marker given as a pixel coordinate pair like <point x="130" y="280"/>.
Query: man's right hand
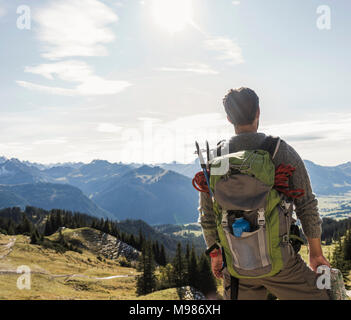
<point x="216" y="266"/>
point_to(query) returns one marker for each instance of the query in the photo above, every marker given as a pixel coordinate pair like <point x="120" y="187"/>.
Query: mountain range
<point x="329" y="180"/>
<point x="101" y="188"/>
<point x="157" y="194"/>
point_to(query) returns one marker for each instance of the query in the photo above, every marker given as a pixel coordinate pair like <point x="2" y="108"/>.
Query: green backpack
<point x="242" y="186"/>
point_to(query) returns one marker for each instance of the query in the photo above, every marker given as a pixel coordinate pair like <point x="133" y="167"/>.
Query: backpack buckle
<point x="285" y="238"/>
<point x="286" y="205"/>
<point x="261" y="219"/>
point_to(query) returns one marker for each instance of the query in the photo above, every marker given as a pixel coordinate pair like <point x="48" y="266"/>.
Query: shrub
<point x="124" y="262"/>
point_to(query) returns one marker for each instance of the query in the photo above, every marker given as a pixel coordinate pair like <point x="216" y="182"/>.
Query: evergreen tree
<point x="338" y="261"/>
<point x="100" y="224"/>
<point x="193" y="270"/>
<point x="61" y="240"/>
<point x="207" y="283"/>
<point x="337" y="255"/>
<point x="187" y="265"/>
<point x="131" y="241"/>
<point x="146" y="282"/>
<point x="35" y="237"/>
<point x="166" y="277"/>
<point x="53" y="226"/>
<point x="156" y="250"/>
<point x="11" y="228"/>
<point x="141" y="240"/>
<point x="178" y="263"/>
<point x="48" y="227"/>
<point x="107" y="227"/>
<point x="115" y="231"/>
<point x="163" y="258"/>
<point x="347" y="245"/>
<point x="25" y="227"/>
<point x="59" y="221"/>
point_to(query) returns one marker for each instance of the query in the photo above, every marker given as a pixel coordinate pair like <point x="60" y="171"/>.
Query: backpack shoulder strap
<point x="271" y="144"/>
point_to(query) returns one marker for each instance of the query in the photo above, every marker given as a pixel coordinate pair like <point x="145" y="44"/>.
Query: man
<point x="296" y="280"/>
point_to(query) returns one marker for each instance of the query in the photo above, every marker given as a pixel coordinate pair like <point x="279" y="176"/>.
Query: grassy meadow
<point x="73" y="275"/>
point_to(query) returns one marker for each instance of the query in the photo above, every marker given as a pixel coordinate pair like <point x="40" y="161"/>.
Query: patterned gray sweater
<point x="306" y="206"/>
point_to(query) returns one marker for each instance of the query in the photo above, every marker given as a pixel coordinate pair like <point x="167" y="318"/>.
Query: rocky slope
<point x="100" y="243"/>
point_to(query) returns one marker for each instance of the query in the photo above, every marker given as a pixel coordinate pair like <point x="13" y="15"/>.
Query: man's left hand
<point x="316" y="261"/>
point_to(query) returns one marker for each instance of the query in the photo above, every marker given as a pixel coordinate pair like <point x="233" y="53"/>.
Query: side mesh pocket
<point x="250" y="254"/>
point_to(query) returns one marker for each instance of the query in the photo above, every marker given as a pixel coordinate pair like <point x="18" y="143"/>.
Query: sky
<point x="140" y="81"/>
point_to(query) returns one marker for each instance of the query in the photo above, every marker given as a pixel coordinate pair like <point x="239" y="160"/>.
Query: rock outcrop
<point x="104" y="244"/>
<point x="190" y="293"/>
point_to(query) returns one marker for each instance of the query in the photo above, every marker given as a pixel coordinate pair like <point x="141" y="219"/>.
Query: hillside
<point x="8" y="198"/>
<point x="70" y="275"/>
<point x="49" y="196"/>
<point x="168" y="235"/>
<point x="152" y="194"/>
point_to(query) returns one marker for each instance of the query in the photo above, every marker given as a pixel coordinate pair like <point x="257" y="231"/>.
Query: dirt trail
<point x="68" y="276"/>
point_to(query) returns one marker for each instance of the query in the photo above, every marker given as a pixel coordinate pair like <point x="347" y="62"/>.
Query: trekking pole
<point x="203" y="166"/>
<point x="208" y="155"/>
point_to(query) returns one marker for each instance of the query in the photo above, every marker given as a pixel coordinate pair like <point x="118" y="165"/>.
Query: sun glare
<point x="172" y="15"/>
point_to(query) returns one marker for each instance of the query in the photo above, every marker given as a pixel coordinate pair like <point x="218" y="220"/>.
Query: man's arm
<point x="207" y="219"/>
<point x="307" y="210"/>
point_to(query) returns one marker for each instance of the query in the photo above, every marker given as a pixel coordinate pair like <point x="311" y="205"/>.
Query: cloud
<point x="326" y="141"/>
<point x="236" y="3"/>
<point x="304" y="137"/>
<point x="70" y="29"/>
<point x="46" y="89"/>
<point x="75" y="72"/>
<point x="2" y="12"/>
<point x="108" y="128"/>
<point x="322" y="129"/>
<point x="192" y="68"/>
<point x="56" y="141"/>
<point x="228" y="49"/>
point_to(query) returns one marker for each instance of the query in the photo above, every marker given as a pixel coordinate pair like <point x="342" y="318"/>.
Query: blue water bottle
<point x="239" y="226"/>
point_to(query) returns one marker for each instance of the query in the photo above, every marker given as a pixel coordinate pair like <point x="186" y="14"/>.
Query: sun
<point x="172" y="15"/>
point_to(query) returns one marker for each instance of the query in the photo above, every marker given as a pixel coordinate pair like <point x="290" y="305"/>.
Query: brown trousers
<point x="296" y="281"/>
